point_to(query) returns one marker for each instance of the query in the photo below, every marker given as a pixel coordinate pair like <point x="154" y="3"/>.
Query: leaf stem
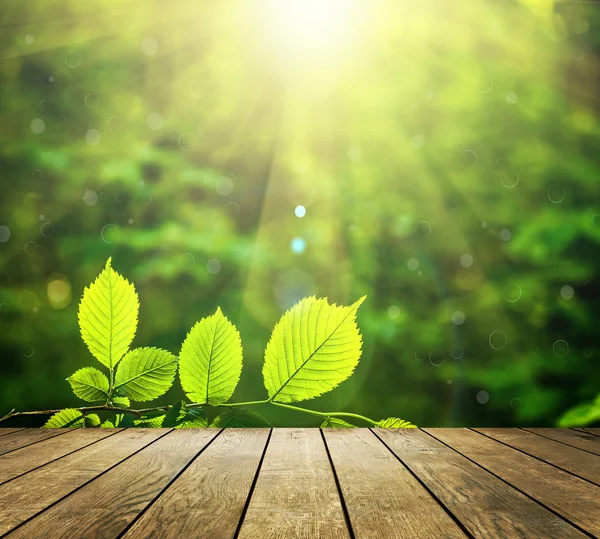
<point x="83" y="410"/>
<point x="110" y="387"/>
<point x="326" y="414"/>
<point x="249" y="403"/>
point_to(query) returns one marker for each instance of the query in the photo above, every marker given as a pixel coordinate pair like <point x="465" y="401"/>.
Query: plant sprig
<point x="314" y="347"/>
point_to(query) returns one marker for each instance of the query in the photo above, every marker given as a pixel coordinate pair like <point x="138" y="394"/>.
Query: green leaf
<point x="145" y="374"/>
<point x="123" y="420"/>
<point x="240" y="418"/>
<point x="210" y="361"/>
<point x="122" y="402"/>
<point x="150" y="421"/>
<point x="314" y="347"/>
<point x="395" y="423"/>
<point x="71" y="418"/>
<point x="129" y="421"/>
<point x="334" y="423"/>
<point x="180" y="416"/>
<point x="108" y="316"/>
<point x="581" y="415"/>
<point x="92" y="420"/>
<point x="89" y="384"/>
<point x="108" y="424"/>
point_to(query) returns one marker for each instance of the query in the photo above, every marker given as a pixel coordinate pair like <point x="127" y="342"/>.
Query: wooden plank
<point x="484" y="504"/>
<point x="295" y="495"/>
<point x="107" y="505"/>
<point x="382" y="497"/>
<point x="208" y="499"/>
<point x="568" y="458"/>
<point x="581" y="440"/>
<point x="574" y="499"/>
<point x="26" y="459"/>
<point x="595" y="432"/>
<point x="25" y="437"/>
<point x="31" y="493"/>
<point x="5" y="430"/>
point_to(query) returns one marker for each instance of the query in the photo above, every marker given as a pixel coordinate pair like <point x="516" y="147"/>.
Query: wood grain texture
<point x="383" y="499"/>
<point x="27" y="495"/>
<point x="105" y="507"/>
<point x="5" y="430"/>
<point x="27" y="458"/>
<point x="25" y="437"/>
<point x="566" y="457"/>
<point x="207" y="500"/>
<point x="295" y="495"/>
<point x="574" y="499"/>
<point x="172" y="484"/>
<point x="581" y="440"/>
<point x="595" y="432"/>
<point x="484" y="504"/>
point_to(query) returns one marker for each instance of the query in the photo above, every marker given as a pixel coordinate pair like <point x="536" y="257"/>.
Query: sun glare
<point x="304" y="28"/>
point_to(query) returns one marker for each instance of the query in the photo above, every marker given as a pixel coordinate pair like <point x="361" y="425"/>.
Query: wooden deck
<point x="299" y="483"/>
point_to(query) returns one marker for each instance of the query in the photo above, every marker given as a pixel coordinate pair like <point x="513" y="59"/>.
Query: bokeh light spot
<point x="567" y="292"/>
<point x="560" y="348"/>
<point x="498" y="340"/>
<point x="512" y="292"/>
<point x="482" y="397"/>
<point x="110" y="233"/>
<point x="38" y="126"/>
<point x="4" y="233"/>
<point x="149" y="46"/>
<point x="466" y="261"/>
<point x="458" y="318"/>
<point x="92" y="137"/>
<point x="213" y="266"/>
<point x="437" y="358"/>
<point x="59" y="291"/>
<point x="393" y="311"/>
<point x="298" y="245"/>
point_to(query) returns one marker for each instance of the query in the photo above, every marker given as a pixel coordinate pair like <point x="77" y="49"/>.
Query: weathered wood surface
<point x="299" y="483"/>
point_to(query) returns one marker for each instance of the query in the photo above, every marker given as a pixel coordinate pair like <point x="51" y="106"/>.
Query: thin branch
<point x="143" y="411"/>
<point x="326" y="414"/>
<point x="82" y="409"/>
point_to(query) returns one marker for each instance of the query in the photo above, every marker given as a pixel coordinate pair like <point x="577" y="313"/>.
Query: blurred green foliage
<point x="447" y="155"/>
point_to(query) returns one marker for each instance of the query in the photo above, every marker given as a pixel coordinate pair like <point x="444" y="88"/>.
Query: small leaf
<point x="123" y="420"/>
<point x="334" y="423"/>
<point x="314" y="347"/>
<point x="92" y="420"/>
<point x="108" y="424"/>
<point x="210" y="361"/>
<point x="180" y="416"/>
<point x="150" y="421"/>
<point x="108" y="314"/>
<point x="89" y="384"/>
<point x="71" y="418"/>
<point x="395" y="423"/>
<point x="240" y="418"/>
<point x="121" y="402"/>
<point x="145" y="374"/>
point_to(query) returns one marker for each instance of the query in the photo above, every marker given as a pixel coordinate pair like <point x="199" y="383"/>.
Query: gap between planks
<point x="350" y="466"/>
<point x="29" y="458"/>
<point x="581" y="440"/>
<point x="461" y="485"/>
<point x="581" y="464"/>
<point x="567" y="496"/>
